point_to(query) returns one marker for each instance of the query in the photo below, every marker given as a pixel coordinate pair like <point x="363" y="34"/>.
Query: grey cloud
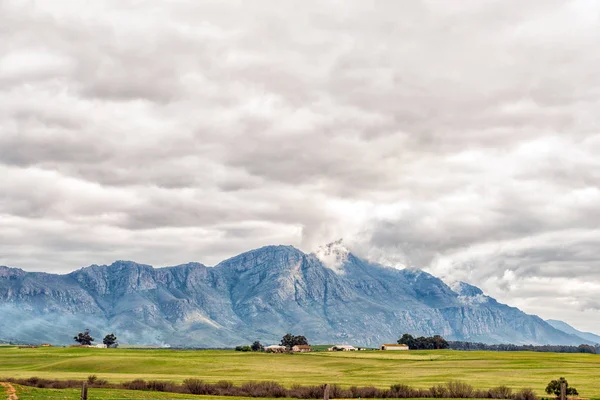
<point x="459" y="139"/>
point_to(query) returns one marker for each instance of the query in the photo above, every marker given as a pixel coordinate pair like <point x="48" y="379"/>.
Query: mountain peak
<point x="8" y="271"/>
<point x="333" y="255"/>
<point x="465" y="289"/>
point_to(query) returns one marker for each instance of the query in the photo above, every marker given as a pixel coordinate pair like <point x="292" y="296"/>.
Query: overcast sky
<point x="461" y="137"/>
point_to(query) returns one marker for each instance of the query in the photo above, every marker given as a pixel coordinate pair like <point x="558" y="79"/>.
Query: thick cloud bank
<point x="459" y="137"/>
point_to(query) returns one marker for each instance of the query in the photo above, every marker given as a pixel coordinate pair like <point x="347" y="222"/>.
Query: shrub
<point x="438" y="391"/>
<point x="136" y="384"/>
<point x="91" y="379"/>
<point x="224" y="384"/>
<point x="367" y="392"/>
<point x="101" y="382"/>
<point x="459" y="390"/>
<point x="500" y="392"/>
<point x="525" y="394"/>
<point x="264" y="389"/>
<point x="195" y="386"/>
<point x="307" y="392"/>
<point x="161" y="386"/>
<point x="401" y="390"/>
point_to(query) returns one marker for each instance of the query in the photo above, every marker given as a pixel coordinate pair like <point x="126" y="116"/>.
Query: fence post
<point x="326" y="392"/>
<point x="563" y="391"/>
<point x="84" y="391"/>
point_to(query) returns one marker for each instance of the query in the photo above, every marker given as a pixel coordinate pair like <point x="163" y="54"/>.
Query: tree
<point x="256" y="346"/>
<point x="84" y="338"/>
<point x="408" y="340"/>
<point x="109" y="340"/>
<point x="439" y="342"/>
<point x="554" y="387"/>
<point x="289" y="340"/>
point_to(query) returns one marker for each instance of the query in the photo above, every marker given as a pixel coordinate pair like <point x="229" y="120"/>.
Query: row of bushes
<point x="452" y="389"/>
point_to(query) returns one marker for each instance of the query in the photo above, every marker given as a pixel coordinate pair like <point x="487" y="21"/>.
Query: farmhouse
<point x="275" y="349"/>
<point x="342" y="347"/>
<point x="301" y="348"/>
<point x="393" y="346"/>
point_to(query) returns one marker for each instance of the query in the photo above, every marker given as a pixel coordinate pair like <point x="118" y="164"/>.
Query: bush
<point x="401" y="390"/>
<point x="307" y="392"/>
<point x="224" y="384"/>
<point x="525" y="394"/>
<point x="264" y="389"/>
<point x="367" y="392"/>
<point x="161" y="386"/>
<point x="500" y="392"/>
<point x="91" y="379"/>
<point x="438" y="391"/>
<point x="195" y="386"/>
<point x="459" y="390"/>
<point x="136" y="384"/>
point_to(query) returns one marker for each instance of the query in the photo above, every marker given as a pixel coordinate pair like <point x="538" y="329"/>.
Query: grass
<point x="29" y="393"/>
<point x="420" y="369"/>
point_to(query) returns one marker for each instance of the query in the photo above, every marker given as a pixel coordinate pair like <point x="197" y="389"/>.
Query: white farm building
<point x="393" y="347"/>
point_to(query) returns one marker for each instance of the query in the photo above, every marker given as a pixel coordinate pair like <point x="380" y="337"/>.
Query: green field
<point x="420" y="369"/>
<point x="29" y="393"/>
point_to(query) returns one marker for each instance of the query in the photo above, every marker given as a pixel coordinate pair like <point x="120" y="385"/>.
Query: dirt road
<point x="11" y="393"/>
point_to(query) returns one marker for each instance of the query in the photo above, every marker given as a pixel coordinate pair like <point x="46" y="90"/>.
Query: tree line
<point x="423" y="343"/>
<point x="582" y="348"/>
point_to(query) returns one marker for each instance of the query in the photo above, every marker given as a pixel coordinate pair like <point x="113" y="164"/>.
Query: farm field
<point x="419" y="369"/>
<point x="28" y="393"/>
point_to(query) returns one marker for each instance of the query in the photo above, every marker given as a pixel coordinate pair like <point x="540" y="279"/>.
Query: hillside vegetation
<point x="419" y="369"/>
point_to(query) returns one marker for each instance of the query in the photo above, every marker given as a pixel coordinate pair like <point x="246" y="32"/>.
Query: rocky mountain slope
<point x="331" y="296"/>
<point x="563" y="326"/>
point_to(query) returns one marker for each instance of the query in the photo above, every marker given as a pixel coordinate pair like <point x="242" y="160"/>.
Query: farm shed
<point x="342" y="347"/>
<point x="393" y="347"/>
<point x="301" y="348"/>
<point x="275" y="349"/>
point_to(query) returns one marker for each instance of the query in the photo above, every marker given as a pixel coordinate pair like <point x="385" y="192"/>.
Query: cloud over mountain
<point x="458" y="139"/>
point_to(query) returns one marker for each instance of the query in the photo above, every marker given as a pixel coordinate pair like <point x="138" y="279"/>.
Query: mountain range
<point x="330" y="296"/>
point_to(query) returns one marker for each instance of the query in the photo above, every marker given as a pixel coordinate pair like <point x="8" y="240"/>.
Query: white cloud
<point x="462" y="140"/>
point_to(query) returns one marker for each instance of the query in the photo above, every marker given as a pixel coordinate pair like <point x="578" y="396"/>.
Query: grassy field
<point x="29" y="393"/>
<point x="420" y="369"/>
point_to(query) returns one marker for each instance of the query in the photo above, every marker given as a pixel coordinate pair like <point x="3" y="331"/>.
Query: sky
<point x="460" y="137"/>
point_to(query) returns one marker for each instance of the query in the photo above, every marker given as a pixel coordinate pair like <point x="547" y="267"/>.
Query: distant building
<point x="393" y="346"/>
<point x="301" y="348"/>
<point x="342" y="347"/>
<point x="45" y="345"/>
<point x="275" y="349"/>
<point x="100" y="346"/>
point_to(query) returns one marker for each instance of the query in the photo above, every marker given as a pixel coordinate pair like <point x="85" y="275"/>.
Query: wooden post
<point x="563" y="391"/>
<point x="326" y="392"/>
<point x="84" y="391"/>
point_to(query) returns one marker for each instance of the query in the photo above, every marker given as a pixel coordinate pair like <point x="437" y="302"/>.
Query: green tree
<point x="109" y="340"/>
<point x="289" y="340"/>
<point x="84" y="337"/>
<point x="408" y="340"/>
<point x="256" y="346"/>
<point x="439" y="342"/>
<point x="554" y="387"/>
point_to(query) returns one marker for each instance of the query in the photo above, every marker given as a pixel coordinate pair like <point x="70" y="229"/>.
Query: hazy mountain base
<point x="261" y="294"/>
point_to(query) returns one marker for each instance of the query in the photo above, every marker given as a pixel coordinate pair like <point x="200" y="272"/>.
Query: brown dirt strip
<point x="11" y="393"/>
